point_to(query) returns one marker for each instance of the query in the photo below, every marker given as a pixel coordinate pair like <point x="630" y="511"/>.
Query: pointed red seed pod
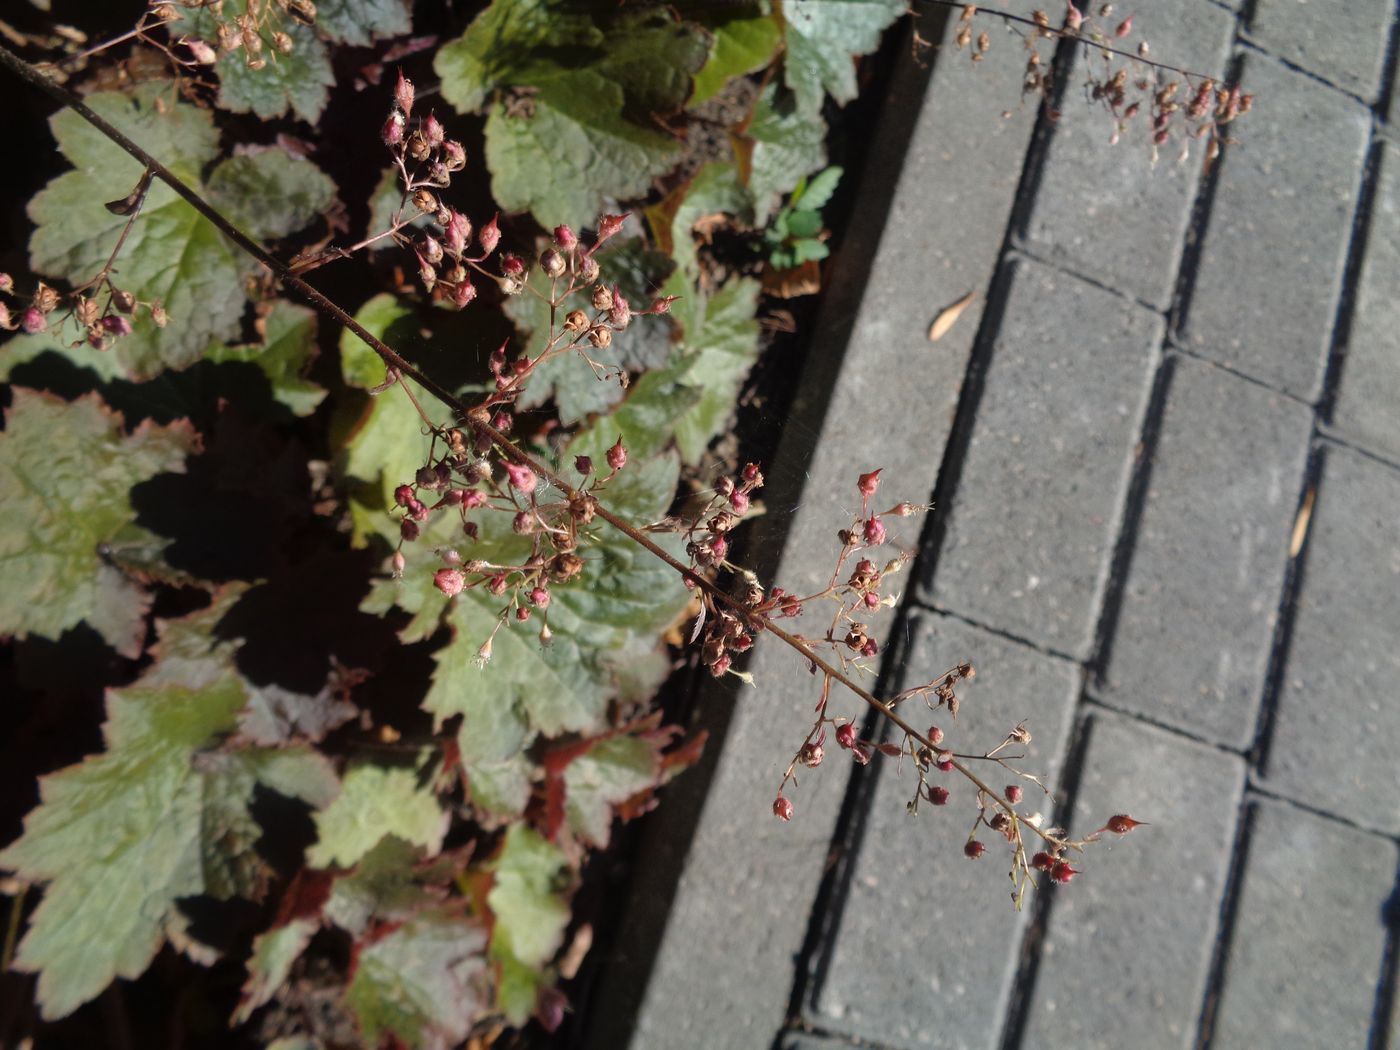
<point x="782" y="808"/>
<point x="489" y="237"/>
<point x="1121" y="824"/>
<point x="1062" y="872"/>
<point x="846" y="734"/>
<point x="617" y="455"/>
<point x="403" y="93"/>
<point x="521" y="477"/>
<point x="449" y="581"/>
<point x="868" y="483"/>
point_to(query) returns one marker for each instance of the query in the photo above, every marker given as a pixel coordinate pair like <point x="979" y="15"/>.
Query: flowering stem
<point x="479" y="417"/>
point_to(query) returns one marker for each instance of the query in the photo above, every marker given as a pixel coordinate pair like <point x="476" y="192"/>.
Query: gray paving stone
<point x="1266" y="288"/>
<point x="928" y="942"/>
<point x="1109" y="211"/>
<point x="1191" y="643"/>
<point x="1032" y="525"/>
<point x="1338" y="717"/>
<point x="1305" y="953"/>
<point x="1368" y="397"/>
<point x="812" y="1041"/>
<point x="1342" y="41"/>
<point x="1128" y="943"/>
<point x="720" y="971"/>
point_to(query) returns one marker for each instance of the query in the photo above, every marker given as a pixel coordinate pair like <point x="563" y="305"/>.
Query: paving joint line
<point x="1176" y="348"/>
<point x="1216" y="972"/>
<point x="1324" y="434"/>
<point x="1260" y="790"/>
<point x="999" y="632"/>
<point x="1016" y="1014"/>
<point x="831" y="1035"/>
<point x="1093" y="702"/>
<point x="1023" y="247"/>
<point x="1246" y="43"/>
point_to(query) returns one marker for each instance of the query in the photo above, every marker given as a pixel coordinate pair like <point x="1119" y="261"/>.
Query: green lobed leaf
<point x="715" y="188"/>
<point x="299" y="82"/>
<point x="823" y="38"/>
<point x="786" y="146"/>
<point x="270" y="193"/>
<point x="531" y="914"/>
<point x="375" y="802"/>
<point x="608" y="774"/>
<point x="66" y="470"/>
<point x="287" y="349"/>
<point x="421" y="983"/>
<point x="271" y="961"/>
<point x="362" y="22"/>
<point x="156" y="817"/>
<point x="579" y="132"/>
<point x="696" y="392"/>
<point x="172" y="254"/>
<point x="746" y="38"/>
<point x="381" y="887"/>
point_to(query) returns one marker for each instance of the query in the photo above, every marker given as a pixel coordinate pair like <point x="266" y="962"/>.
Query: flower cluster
<point x="101" y="311"/>
<point x="260" y="30"/>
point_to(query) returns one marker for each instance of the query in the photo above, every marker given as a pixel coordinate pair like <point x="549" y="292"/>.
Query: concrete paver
<point x="1306" y="947"/>
<point x="1342" y="41"/>
<point x="1196" y="620"/>
<point x="1030" y="532"/>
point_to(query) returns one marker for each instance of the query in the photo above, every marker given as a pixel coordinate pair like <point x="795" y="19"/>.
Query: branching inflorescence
<point x="474" y="468"/>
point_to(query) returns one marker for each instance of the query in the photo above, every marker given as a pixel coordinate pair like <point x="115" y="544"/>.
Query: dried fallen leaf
<point x="948" y="317"/>
<point x="1300" y="523"/>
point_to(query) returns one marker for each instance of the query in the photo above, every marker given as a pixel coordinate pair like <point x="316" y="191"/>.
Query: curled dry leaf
<point x="948" y="316"/>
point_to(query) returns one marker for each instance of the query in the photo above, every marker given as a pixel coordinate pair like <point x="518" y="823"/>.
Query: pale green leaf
<point x="156" y="817"/>
<point x="375" y="802"/>
<point x="530" y="907"/>
<point x="381" y="887"/>
<point x="421" y="984"/>
<point x="270" y="193"/>
<point x="362" y="22"/>
<point x="746" y="38"/>
<point x="787" y="145"/>
<point x="299" y="81"/>
<point x="66" y="471"/>
<point x="824" y="38"/>
<point x="271" y="962"/>
<point x="609" y="773"/>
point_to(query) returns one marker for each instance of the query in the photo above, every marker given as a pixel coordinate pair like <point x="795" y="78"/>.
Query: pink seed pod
<point x="782" y="808"/>
<point x="868" y="483"/>
<point x="450" y="581"/>
<point x="403" y="93"/>
<point x="403" y="495"/>
<point x="739" y="501"/>
<point x="539" y="598"/>
<point x="564" y="237"/>
<point x="489" y="237"/>
<point x="938" y="796"/>
<point x="32" y="321"/>
<point x="1062" y="872"/>
<point x="811" y="755"/>
<point x="846" y="735"/>
<point x="432" y="131"/>
<point x="521" y="477"/>
<point x="974" y="849"/>
<point x="874" y="531"/>
<point x="620" y="313"/>
<point x="1014" y="793"/>
<point x="608" y="226"/>
<point x="617" y="455"/>
<point x="397" y="564"/>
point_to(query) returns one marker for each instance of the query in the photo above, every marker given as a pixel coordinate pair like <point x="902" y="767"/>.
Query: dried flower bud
<point x="1014" y="793"/>
<point x="304" y="11"/>
<point x="408" y="530"/>
<point x="584" y="465"/>
<point x="283" y="43"/>
<point x="123" y="300"/>
<point x="396" y="564"/>
<point x="662" y="305"/>
<point x="7" y="283"/>
<point x="576" y="321"/>
<point x="1074" y="18"/>
<point x="523" y="524"/>
<point x="617" y="455"/>
<point x="1124" y="28"/>
<point x="87" y="311"/>
<point x="429" y="248"/>
<point x="457" y="231"/>
<point x="115" y="324"/>
<point x="874" y="531"/>
<point x="418" y="147"/>
<point x="564" y="237"/>
<point x="424" y="201"/>
<point x="489" y="237"/>
<point x="752" y="476"/>
<point x="565" y="566"/>
<point x="539" y="598"/>
<point x="938" y="795"/>
<point x="609" y="225"/>
<point x="158" y="315"/>
<point x="1121" y="824"/>
<point x="846" y="735"/>
<point x="974" y="849"/>
<point x="33" y="321"/>
<point x="202" y="52"/>
<point x="811" y="755"/>
<point x="602" y="298"/>
<point x="600" y="337"/>
<point x="553" y="264"/>
<point x="1042" y="861"/>
<point x="463" y="292"/>
<point x="403" y="93"/>
<point x="454" y="155"/>
<point x="512" y="266"/>
<point x="45" y="298"/>
<point x="782" y="808"/>
<point x="588" y="269"/>
<point x="739" y="501"/>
